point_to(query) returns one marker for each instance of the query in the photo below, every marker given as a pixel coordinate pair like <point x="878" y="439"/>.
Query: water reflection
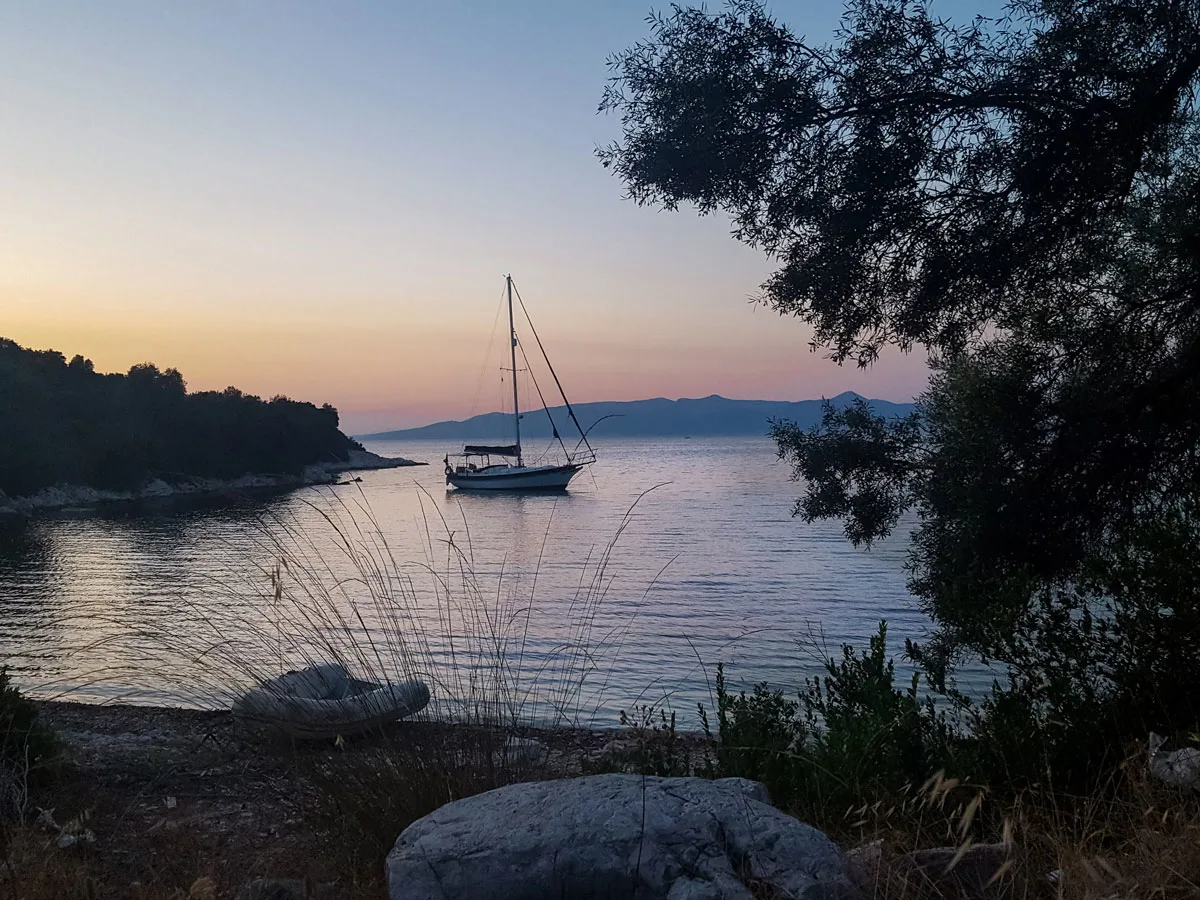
<point x="32" y="583"/>
<point x="709" y="566"/>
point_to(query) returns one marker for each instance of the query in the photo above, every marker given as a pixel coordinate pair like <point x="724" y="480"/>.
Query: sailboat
<point x="501" y="467"/>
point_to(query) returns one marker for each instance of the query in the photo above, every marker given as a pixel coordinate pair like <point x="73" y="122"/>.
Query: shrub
<point x="1087" y="677"/>
<point x="851" y="736"/>
<point x="761" y="736"/>
<point x="653" y="747"/>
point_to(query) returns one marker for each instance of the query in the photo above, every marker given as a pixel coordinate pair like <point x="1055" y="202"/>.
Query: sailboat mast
<point x="512" y="342"/>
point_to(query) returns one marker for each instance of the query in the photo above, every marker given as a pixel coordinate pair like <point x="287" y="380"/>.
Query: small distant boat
<point x="324" y="702"/>
<point x="474" y="469"/>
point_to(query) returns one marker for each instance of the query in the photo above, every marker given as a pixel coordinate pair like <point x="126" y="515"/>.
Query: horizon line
<point x="501" y="412"/>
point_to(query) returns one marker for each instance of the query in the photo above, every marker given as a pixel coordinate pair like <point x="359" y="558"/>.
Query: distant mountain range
<point x="659" y="417"/>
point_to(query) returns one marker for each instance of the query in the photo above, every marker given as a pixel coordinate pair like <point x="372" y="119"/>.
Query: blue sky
<point x="321" y="200"/>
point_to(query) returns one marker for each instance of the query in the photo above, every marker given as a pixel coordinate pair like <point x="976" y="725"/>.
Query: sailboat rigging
<point x="474" y="470"/>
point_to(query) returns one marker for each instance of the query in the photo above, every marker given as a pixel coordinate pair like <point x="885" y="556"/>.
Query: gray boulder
<point x="615" y="836"/>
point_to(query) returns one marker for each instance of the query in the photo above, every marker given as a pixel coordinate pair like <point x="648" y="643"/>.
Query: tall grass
<point x="333" y="590"/>
<point x="1137" y="840"/>
<point x="843" y="759"/>
<point x="336" y="592"/>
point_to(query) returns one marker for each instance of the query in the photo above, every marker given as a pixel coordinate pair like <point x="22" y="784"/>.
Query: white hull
<point x="514" y="478"/>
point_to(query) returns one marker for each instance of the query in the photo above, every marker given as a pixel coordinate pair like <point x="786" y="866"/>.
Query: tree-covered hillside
<point x="63" y="422"/>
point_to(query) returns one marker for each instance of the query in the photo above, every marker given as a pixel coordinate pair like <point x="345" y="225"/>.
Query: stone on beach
<point x="523" y="750"/>
<point x="614" y="836"/>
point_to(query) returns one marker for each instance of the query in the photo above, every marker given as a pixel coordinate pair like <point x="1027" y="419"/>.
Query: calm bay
<point x="667" y="556"/>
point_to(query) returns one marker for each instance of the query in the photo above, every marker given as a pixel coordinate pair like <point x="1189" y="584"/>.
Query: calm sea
<point x="666" y="557"/>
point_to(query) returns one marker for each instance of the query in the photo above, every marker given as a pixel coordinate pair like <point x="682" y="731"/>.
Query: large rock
<point x="618" y="836"/>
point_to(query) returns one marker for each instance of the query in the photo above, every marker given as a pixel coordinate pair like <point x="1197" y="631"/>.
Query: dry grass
<point x="336" y="592"/>
<point x="232" y="809"/>
<point x="361" y="801"/>
<point x="165" y="868"/>
<point x="333" y="594"/>
<point x="1133" y="839"/>
<point x="143" y="820"/>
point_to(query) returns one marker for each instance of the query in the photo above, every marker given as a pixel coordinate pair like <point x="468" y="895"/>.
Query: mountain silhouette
<point x="659" y="417"/>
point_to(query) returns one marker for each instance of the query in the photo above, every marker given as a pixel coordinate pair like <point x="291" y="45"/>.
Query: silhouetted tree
<point x="1020" y="197"/>
<point x="62" y="422"/>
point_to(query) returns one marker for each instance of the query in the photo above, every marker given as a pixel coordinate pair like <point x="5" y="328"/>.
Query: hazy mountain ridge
<point x="657" y="417"/>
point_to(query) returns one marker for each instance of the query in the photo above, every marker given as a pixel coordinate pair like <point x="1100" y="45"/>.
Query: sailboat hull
<point x="514" y="478"/>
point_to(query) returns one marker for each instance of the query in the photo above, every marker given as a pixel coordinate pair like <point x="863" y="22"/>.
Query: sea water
<point x="666" y="557"/>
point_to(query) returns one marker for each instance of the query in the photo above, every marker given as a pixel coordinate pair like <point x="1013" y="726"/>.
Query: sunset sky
<point x="321" y="200"/>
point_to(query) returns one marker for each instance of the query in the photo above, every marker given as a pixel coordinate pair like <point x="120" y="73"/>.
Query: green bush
<point x="850" y="737"/>
<point x="762" y="736"/>
<point x="1091" y="669"/>
<point x="654" y="747"/>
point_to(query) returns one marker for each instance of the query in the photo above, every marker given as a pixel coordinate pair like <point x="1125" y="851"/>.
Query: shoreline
<point x="121" y="737"/>
<point x="166" y="798"/>
<point x="116" y="729"/>
<point x="63" y="497"/>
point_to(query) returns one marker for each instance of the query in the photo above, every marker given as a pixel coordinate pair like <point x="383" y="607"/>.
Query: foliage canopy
<point x="1019" y="197"/>
<point x="63" y="422"/>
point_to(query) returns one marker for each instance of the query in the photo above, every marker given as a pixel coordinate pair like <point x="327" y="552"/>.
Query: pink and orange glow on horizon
<point x="387" y="375"/>
<point x="321" y="200"/>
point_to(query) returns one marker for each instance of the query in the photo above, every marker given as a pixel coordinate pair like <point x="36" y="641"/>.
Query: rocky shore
<point x="161" y="798"/>
<point x="157" y="803"/>
<point x="66" y="496"/>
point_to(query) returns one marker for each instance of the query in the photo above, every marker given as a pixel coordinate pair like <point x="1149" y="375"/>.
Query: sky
<point x="321" y="200"/>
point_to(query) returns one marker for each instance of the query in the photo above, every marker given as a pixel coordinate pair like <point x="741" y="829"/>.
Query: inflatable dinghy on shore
<point x="325" y="702"/>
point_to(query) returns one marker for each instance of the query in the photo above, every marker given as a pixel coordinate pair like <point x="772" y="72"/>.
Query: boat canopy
<point x="504" y="450"/>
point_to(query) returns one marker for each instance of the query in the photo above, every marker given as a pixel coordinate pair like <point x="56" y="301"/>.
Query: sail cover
<point x="505" y="450"/>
